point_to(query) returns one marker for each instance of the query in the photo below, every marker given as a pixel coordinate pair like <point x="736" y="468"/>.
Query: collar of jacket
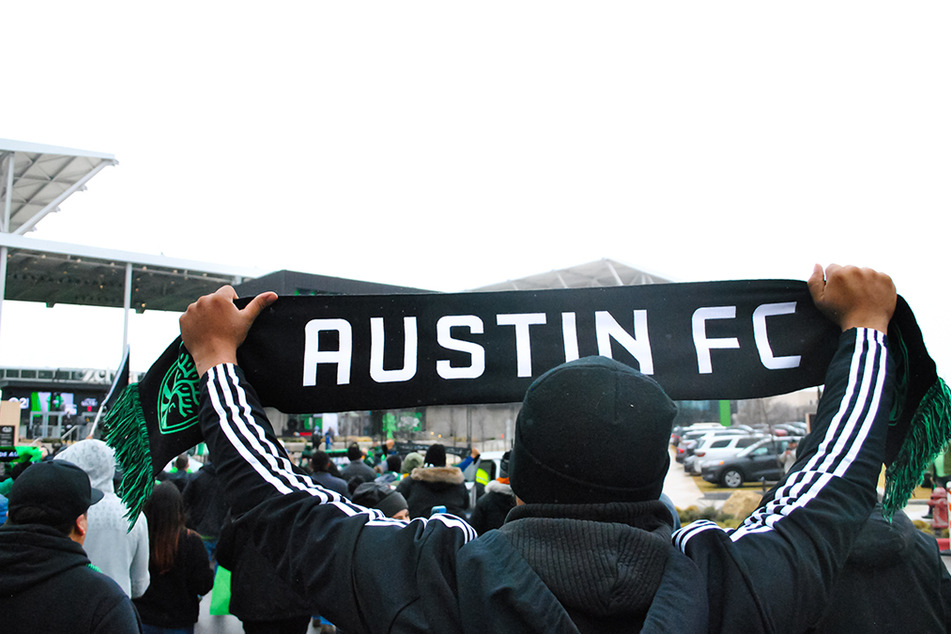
<point x="600" y="560"/>
<point x="33" y="553"/>
<point x="447" y="475"/>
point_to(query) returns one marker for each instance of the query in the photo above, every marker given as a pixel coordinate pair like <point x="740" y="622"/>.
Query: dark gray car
<point x="755" y="463"/>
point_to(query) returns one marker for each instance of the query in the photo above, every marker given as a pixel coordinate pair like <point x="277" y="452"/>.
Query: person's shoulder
<point x="94" y="583"/>
<point x="99" y="598"/>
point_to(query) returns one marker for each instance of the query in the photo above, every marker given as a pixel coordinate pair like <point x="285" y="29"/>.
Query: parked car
<point x="690" y="439"/>
<point x="793" y="429"/>
<point x="717" y="448"/>
<point x="756" y="462"/>
<point x="676" y="434"/>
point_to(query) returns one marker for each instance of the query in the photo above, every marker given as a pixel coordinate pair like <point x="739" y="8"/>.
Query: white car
<point x="689" y="440"/>
<point x="717" y="448"/>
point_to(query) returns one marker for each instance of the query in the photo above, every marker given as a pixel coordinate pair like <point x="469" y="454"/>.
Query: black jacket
<point x="893" y="581"/>
<point x="492" y="508"/>
<point x="206" y="510"/>
<point x="427" y="487"/>
<point x="567" y="569"/>
<point x="173" y="597"/>
<point x="48" y="585"/>
<point x="257" y="592"/>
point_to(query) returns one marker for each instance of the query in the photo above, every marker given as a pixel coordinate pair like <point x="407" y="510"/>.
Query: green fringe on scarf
<point x="926" y="438"/>
<point x="124" y="429"/>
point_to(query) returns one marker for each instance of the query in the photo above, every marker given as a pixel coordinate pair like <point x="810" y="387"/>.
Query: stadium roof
<point x="59" y="273"/>
<point x="34" y="180"/>
<point x="602" y="272"/>
<point x="37" y="178"/>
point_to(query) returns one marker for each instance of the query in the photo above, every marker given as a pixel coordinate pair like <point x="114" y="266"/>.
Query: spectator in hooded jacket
<point x="435" y="484"/>
<point x="118" y="551"/>
<point x="47" y="583"/>
<point x="412" y="460"/>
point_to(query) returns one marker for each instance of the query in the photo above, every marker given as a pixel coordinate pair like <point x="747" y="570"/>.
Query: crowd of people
<point x="568" y="537"/>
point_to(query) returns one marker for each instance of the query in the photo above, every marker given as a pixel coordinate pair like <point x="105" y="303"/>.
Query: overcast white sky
<point x="449" y="145"/>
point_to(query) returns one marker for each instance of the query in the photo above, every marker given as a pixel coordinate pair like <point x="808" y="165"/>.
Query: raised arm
<point x="332" y="541"/>
<point x="786" y="554"/>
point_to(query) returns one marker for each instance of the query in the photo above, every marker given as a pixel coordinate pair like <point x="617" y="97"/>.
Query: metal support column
<point x="5" y="227"/>
<point x="3" y="278"/>
<point x="126" y="305"/>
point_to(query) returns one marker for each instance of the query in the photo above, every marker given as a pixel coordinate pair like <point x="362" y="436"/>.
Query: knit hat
<point x="412" y="461"/>
<point x="377" y="495"/>
<point x="58" y="487"/>
<point x="436" y="455"/>
<point x="591" y="431"/>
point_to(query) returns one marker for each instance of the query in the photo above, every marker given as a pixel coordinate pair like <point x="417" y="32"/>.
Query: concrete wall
<point x="491" y="426"/>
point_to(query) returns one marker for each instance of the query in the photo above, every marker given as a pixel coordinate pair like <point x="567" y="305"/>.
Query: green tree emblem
<point x="178" y="395"/>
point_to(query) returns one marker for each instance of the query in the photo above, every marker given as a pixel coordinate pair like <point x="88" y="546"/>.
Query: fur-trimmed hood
<point x="499" y="487"/>
<point x="443" y="475"/>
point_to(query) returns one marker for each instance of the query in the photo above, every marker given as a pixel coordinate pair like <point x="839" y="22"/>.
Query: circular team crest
<point x="178" y="395"/>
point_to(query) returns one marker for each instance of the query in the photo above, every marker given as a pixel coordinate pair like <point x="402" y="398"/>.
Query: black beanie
<point x="436" y="455"/>
<point x="394" y="463"/>
<point x="591" y="431"/>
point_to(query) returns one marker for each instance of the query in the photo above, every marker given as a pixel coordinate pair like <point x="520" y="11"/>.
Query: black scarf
<point x="712" y="340"/>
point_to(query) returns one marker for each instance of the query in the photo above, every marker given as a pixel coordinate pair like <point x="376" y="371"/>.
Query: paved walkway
<point x="681" y="488"/>
<point x="208" y="624"/>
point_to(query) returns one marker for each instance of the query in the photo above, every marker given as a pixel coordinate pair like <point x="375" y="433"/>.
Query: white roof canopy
<point x="35" y="179"/>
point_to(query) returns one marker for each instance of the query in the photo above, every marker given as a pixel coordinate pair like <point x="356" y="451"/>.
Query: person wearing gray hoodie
<point x="118" y="552"/>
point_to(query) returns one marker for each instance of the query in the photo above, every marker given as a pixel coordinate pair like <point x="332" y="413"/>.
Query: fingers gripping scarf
<point x="715" y="340"/>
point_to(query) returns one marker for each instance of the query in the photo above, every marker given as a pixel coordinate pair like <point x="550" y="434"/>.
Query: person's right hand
<point x="213" y="327"/>
<point x="853" y="297"/>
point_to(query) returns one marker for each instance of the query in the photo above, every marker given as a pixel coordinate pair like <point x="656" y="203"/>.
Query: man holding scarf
<point x="589" y="546"/>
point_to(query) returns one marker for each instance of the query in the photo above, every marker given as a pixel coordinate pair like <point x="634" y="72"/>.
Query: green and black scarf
<point x="715" y="340"/>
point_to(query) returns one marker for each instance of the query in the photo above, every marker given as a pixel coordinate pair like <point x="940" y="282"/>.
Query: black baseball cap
<point x="56" y="486"/>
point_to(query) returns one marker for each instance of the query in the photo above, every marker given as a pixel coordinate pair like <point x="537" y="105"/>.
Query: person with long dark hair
<point x="178" y="563"/>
